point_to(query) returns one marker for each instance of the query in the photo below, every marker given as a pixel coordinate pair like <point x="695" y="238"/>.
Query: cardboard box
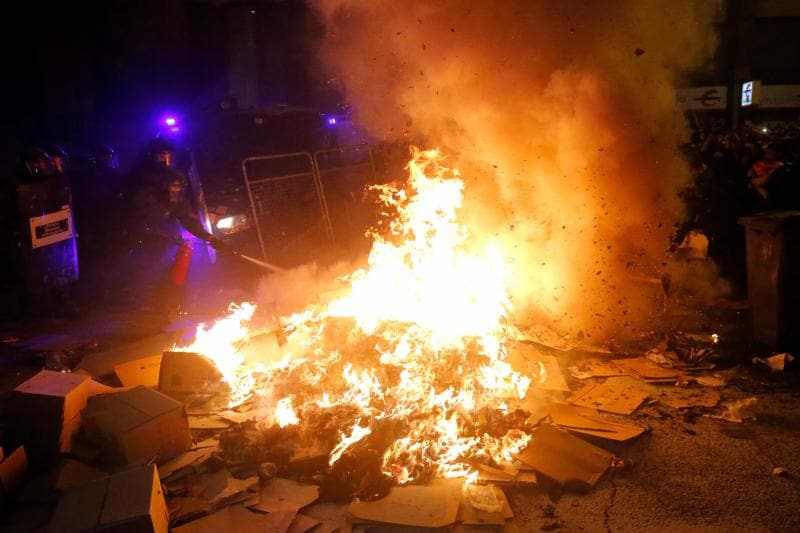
<point x="185" y="374"/>
<point x="131" y="501"/>
<point x="13" y="470"/>
<point x="45" y="412"/>
<point x="139" y="425"/>
<point x="142" y="371"/>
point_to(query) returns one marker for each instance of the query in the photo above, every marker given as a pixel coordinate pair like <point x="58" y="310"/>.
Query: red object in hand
<point x="180" y="269"/>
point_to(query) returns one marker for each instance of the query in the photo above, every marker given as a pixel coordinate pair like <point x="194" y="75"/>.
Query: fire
<point x="284" y="413"/>
<point x="416" y="350"/>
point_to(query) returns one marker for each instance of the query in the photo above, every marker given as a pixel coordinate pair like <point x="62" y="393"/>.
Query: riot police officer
<point x="162" y="207"/>
<point x="41" y="257"/>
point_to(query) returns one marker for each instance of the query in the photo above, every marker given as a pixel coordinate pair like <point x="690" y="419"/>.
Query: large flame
<point x="433" y="305"/>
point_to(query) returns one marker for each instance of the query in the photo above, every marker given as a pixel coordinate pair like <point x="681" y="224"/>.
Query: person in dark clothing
<point x="39" y="253"/>
<point x="774" y="181"/>
<point x="162" y="207"/>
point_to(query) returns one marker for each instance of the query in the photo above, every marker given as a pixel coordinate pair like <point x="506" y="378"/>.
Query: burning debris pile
<point x="409" y="396"/>
<point x="405" y="378"/>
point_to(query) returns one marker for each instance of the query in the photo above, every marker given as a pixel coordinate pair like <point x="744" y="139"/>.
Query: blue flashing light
<point x="331" y="121"/>
<point x="170" y="121"/>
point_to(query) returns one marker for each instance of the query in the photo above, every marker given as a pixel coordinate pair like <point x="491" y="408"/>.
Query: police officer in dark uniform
<point x="41" y="257"/>
<point x="163" y="207"/>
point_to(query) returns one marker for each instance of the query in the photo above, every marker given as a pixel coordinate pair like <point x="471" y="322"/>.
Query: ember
<point x="415" y="353"/>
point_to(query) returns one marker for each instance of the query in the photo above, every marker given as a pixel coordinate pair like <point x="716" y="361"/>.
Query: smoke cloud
<point x="561" y="118"/>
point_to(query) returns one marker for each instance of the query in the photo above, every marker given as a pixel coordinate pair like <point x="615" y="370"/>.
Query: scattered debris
<point x="645" y="369"/>
<point x="712" y="380"/>
<point x="776" y="363"/>
<point x="207" y="422"/>
<point x="587" y="421"/>
<point x="780" y="471"/>
<point x="184" y="460"/>
<point x="484" y="505"/>
<point x="737" y="411"/>
<point x="566" y="459"/>
<point x="620" y="395"/>
<point x="684" y="397"/>
<point x="128" y="501"/>
<point x="136" y="425"/>
<point x="596" y="368"/>
<point x="303" y="523"/>
<point x="221" y="485"/>
<point x="233" y="518"/>
<point x="433" y="505"/>
<point x="45" y="412"/>
<point x="280" y="494"/>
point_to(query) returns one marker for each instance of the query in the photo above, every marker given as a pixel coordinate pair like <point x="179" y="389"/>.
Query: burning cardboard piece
<point x="616" y="395"/>
<point x="570" y="461"/>
<point x="584" y="420"/>
<point x="142" y="371"/>
<point x="129" y="501"/>
<point x="280" y="494"/>
<point x="235" y="518"/>
<point x="138" y="425"/>
<point x="434" y="505"/>
<point x="186" y="374"/>
<point x="45" y="411"/>
<point x="13" y="470"/>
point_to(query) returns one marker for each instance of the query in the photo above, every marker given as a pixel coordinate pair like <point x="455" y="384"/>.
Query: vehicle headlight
<point x="232" y="223"/>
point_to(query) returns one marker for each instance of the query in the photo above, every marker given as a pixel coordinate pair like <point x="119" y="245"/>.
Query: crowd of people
<point x="738" y="173"/>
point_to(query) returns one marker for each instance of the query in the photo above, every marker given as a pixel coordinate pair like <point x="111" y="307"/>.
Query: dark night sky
<point x="73" y="68"/>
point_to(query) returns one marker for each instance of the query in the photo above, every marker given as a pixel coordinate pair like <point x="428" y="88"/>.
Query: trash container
<point x="773" y="277"/>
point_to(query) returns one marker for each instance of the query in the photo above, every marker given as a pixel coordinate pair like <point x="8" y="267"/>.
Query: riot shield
<point x="47" y="234"/>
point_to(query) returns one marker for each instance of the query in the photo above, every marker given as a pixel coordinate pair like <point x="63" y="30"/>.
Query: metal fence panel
<point x="288" y="206"/>
<point x="344" y="173"/>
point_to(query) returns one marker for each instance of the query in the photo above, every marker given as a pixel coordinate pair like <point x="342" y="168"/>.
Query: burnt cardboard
<point x="186" y="374"/>
<point x="566" y="459"/>
<point x="45" y="410"/>
<point x="587" y="421"/>
<point x="431" y="506"/>
<point x="137" y="426"/>
<point x="130" y="501"/>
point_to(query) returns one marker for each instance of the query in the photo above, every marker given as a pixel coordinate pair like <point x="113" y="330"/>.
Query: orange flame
<point x="437" y="304"/>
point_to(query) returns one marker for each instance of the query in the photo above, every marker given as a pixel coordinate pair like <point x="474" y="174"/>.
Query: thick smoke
<point x="561" y="118"/>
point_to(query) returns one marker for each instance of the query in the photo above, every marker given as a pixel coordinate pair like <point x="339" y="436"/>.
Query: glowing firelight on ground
<point x="433" y="305"/>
